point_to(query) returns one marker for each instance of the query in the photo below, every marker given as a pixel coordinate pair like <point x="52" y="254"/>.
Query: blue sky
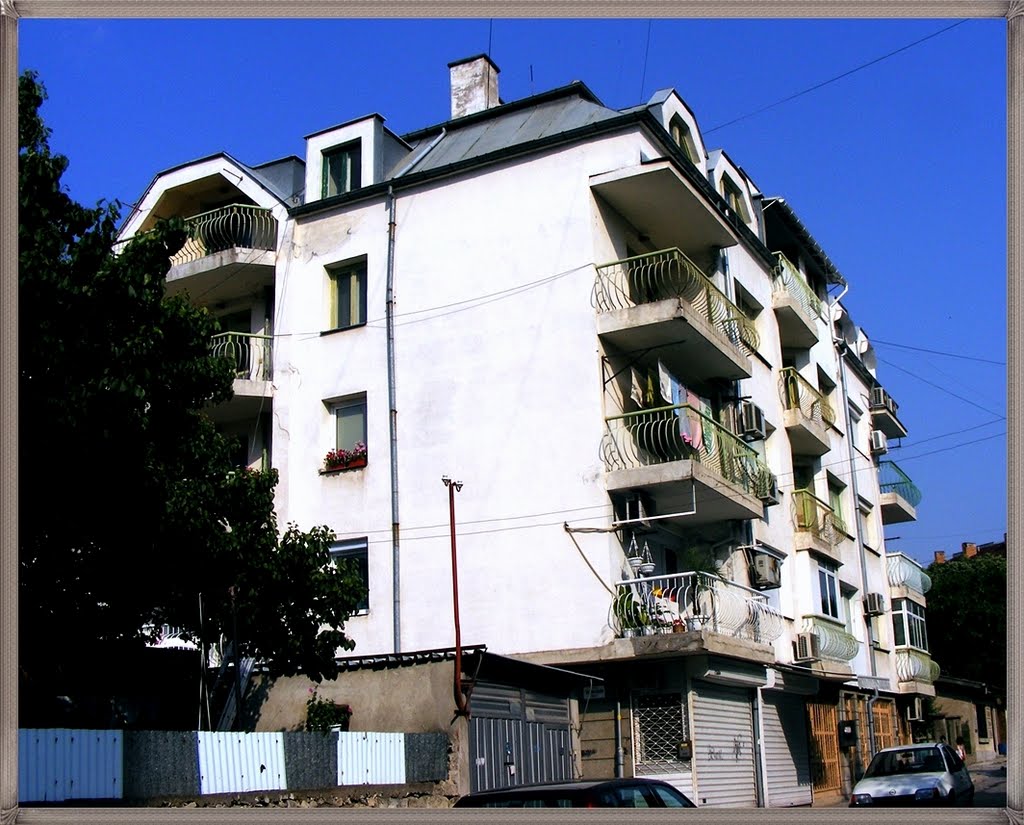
<point x="898" y="169"/>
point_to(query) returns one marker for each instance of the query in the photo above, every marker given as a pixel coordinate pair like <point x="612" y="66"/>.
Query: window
<point x="355" y="552"/>
<point x="348" y="295"/>
<point x="341" y="170"/>
<point x="835" y="501"/>
<point x="681" y="136"/>
<point x="908" y="625"/>
<point x="734" y="197"/>
<point x="350" y="422"/>
<point x="661" y="741"/>
<point x="867" y="523"/>
<point x="828" y="587"/>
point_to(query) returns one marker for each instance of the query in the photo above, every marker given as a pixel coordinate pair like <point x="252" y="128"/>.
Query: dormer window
<point x="342" y="169"/>
<point x="734" y="197"/>
<point x="681" y="136"/>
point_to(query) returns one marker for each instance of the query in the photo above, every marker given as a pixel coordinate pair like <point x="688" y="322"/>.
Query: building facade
<point x="671" y="436"/>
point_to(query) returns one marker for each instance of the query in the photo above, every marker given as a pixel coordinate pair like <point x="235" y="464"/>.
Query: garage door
<point x="723" y="727"/>
<point x="786" y="755"/>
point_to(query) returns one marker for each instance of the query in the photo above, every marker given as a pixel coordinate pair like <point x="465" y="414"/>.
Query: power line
<point x="647" y="49"/>
<point x="937" y="352"/>
<point x="943" y="389"/>
<point x="833" y="79"/>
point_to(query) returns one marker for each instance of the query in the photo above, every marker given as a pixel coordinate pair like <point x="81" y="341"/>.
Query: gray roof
<point x="519" y="125"/>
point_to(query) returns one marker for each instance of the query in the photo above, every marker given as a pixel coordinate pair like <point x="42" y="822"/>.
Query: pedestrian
<point x="960" y="751"/>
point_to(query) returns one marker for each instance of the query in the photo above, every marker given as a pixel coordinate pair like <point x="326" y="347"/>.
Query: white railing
<point x="916" y="666"/>
<point x="833" y="641"/>
<point x="685" y="602"/>
<point x="905" y="572"/>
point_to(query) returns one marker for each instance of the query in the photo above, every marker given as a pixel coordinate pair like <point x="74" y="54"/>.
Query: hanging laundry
<point x="665" y="383"/>
<point x="696" y="430"/>
<point x="636" y="391"/>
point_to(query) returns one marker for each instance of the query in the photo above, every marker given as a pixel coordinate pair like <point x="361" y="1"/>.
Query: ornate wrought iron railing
<point x="251" y="354"/>
<point x="797" y="393"/>
<point x="916" y="666"/>
<point x="905" y="572"/>
<point x="893" y="480"/>
<point x="788" y="279"/>
<point x="812" y="515"/>
<point x="833" y="641"/>
<point x="668" y="273"/>
<point x="684" y="602"/>
<point x="249" y="227"/>
<point x="679" y="432"/>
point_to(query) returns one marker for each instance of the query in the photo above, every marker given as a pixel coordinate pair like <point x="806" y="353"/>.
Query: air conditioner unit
<point x="638" y="513"/>
<point x="874" y="604"/>
<point x="770" y="494"/>
<point x="807" y="648"/>
<point x="767" y="572"/>
<point x="752" y="424"/>
<point x="878" y="443"/>
<point x="915" y="710"/>
<point x="880" y="399"/>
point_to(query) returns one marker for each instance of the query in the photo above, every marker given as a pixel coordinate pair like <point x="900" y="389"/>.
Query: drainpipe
<point x="619" y="761"/>
<point x="841" y="347"/>
<point x="393" y="426"/>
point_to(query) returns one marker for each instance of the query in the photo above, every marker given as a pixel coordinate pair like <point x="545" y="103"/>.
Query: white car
<point x="921" y="774"/>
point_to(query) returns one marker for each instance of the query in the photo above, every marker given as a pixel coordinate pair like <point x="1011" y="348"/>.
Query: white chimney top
<point x="474" y="83"/>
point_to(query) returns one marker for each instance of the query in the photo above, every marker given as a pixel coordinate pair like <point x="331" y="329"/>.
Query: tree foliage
<point x="131" y="510"/>
<point x="967" y="618"/>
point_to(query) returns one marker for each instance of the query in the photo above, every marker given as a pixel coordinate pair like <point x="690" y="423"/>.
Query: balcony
<point x="818" y="528"/>
<point x="688" y="462"/>
<point x="664" y="300"/>
<point x="684" y="603"/>
<point x="834" y="643"/>
<point x="905" y="575"/>
<point x="899" y="495"/>
<point x="807" y="413"/>
<point x="229" y="252"/>
<point x="916" y="671"/>
<point x="797" y="308"/>
<point x="883" y="414"/>
<point x="251" y="356"/>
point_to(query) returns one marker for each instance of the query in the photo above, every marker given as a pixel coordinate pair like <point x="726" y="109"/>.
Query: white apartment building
<point x="670" y="434"/>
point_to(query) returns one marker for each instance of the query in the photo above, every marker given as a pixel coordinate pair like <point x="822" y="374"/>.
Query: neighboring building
<point x="970" y="710"/>
<point x="670" y="432"/>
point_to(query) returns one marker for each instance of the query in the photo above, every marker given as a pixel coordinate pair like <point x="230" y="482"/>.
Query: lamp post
<point x="461" y="705"/>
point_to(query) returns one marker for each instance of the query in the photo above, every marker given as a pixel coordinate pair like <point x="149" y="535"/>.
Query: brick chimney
<point x="940" y="556"/>
<point x="474" y="83"/>
<point x="970" y="549"/>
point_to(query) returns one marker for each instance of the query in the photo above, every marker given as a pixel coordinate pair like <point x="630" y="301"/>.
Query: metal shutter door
<point x="723" y="726"/>
<point x="786" y="755"/>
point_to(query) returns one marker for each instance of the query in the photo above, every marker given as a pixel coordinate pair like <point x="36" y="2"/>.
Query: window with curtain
<point x="348" y="294"/>
<point x="341" y="169"/>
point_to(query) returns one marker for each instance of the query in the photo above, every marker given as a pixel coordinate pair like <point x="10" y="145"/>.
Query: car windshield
<point x="906" y="760"/>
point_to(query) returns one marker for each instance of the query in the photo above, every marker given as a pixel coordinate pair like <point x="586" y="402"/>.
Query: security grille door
<point x="723" y="738"/>
<point x="659" y="731"/>
<point x="787" y="758"/>
<point x="517" y="737"/>
<point x="825" y="767"/>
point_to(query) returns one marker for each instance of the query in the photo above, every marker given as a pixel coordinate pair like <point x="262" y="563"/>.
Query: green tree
<point x="130" y="506"/>
<point x="967" y="618"/>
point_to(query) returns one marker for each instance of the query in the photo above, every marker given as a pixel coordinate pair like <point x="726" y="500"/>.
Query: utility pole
<point x="461" y="705"/>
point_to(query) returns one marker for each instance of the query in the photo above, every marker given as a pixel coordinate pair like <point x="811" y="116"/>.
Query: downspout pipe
<point x="396" y="592"/>
<point x="841" y="347"/>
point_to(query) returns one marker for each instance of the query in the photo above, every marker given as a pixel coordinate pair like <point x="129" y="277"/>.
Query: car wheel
<point x="969" y="802"/>
<point x="951" y="799"/>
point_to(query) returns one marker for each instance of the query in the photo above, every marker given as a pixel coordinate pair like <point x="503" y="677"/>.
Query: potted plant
<point x="629" y="614"/>
<point x="357" y="455"/>
<point x="336" y="459"/>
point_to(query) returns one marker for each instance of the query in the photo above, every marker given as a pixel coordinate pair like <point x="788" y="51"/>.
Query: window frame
<point x="348" y="402"/>
<point x="354" y="152"/>
<point x="911" y="624"/>
<point x="682" y="136"/>
<point x="355" y="270"/>
<point x="828" y="586"/>
<point x="734" y="197"/>
<point x="357" y="549"/>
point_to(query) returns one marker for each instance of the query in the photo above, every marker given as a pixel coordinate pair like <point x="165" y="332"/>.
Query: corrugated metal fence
<point x="57" y="765"/>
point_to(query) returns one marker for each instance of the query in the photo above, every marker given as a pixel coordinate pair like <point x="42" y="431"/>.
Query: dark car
<point x="928" y="773"/>
<point x="605" y="793"/>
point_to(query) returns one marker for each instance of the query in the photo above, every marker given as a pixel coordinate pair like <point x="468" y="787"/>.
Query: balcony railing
<point x="905" y="572"/>
<point x="833" y="641"/>
<point x="251" y="354"/>
<point x="668" y="273"/>
<point x="797" y="393"/>
<point x="693" y="601"/>
<point x="812" y="515"/>
<point x="916" y="666"/>
<point x="789" y="279"/>
<point x="893" y="480"/>
<point x="678" y="433"/>
<point x="249" y="227"/>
